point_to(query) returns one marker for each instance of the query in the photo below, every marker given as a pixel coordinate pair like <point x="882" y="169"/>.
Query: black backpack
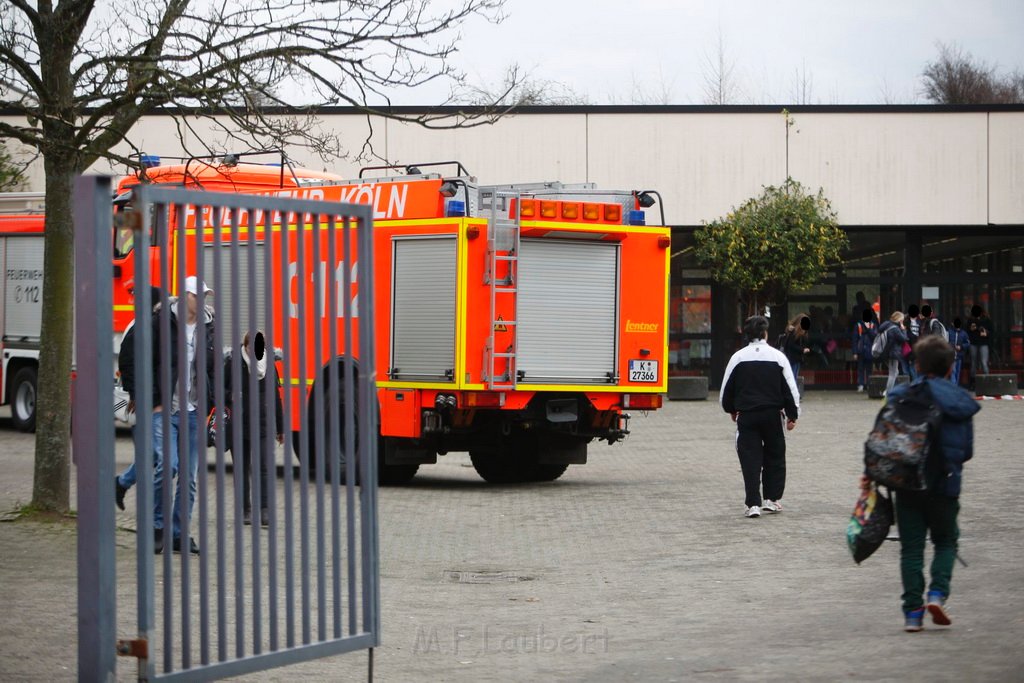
<point x="897" y="449"/>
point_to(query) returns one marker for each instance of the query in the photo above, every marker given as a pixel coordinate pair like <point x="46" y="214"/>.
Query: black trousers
<point x="248" y="454"/>
<point x="761" y="445"/>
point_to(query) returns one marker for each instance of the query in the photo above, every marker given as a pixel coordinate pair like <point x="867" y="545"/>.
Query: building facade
<point x="932" y="199"/>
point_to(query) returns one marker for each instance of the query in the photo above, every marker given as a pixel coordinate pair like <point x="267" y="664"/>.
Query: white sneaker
<point x="860" y="388"/>
<point x="771" y="506"/>
<point x="752" y="511"/>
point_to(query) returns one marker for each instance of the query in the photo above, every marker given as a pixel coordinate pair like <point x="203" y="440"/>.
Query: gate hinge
<point x="138" y="648"/>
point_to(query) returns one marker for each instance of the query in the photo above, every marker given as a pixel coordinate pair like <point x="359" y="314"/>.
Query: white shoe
<point x="860" y="388"/>
<point x="771" y="506"/>
<point x="752" y="511"/>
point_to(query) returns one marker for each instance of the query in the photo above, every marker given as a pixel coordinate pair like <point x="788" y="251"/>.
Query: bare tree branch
<point x="719" y="75"/>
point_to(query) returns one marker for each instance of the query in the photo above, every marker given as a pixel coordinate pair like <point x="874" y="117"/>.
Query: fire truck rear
<point x="519" y="323"/>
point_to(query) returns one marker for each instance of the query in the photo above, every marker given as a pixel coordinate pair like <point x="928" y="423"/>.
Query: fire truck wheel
<point x="501" y="466"/>
<point x="548" y="472"/>
<point x="23" y="399"/>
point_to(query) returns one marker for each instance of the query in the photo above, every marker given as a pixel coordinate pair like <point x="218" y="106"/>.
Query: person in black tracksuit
<point x="757" y="387"/>
<point x="257" y="368"/>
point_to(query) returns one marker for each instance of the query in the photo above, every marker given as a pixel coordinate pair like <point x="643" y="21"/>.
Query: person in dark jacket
<point x="126" y="369"/>
<point x="864" y="334"/>
<point x="797" y="342"/>
<point x="256" y="371"/>
<point x="757" y="387"/>
<point x="960" y="341"/>
<point x="979" y="330"/>
<point x="895" y="338"/>
<point x="934" y="510"/>
<point x="180" y="421"/>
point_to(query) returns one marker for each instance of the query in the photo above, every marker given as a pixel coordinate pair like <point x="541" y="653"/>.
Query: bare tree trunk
<point x="52" y="482"/>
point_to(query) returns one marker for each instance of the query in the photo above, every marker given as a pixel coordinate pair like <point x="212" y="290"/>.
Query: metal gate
<point x="305" y="585"/>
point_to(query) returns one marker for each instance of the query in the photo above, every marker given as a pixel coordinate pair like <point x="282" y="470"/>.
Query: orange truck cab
<point x="516" y="322"/>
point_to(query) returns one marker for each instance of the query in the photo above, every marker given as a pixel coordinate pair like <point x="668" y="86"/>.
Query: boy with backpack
<point x="935" y="508"/>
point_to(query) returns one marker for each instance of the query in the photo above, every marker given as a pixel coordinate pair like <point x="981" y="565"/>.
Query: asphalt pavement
<point x="636" y="566"/>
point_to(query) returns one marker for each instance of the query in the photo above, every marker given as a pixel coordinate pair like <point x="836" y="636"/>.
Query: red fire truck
<point x="518" y="323"/>
<point x="21" y="286"/>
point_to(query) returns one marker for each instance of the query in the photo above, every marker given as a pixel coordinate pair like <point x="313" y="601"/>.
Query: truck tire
<point x="548" y="472"/>
<point x="23" y="399"/>
<point x="499" y="466"/>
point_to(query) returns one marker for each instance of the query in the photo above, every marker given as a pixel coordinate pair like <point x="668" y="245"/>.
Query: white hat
<point x="192" y="285"/>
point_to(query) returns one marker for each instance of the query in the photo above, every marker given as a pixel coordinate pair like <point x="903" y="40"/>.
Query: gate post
<point x="93" y="430"/>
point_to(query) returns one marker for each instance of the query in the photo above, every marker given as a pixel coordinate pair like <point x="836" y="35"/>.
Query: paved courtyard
<point x="637" y="566"/>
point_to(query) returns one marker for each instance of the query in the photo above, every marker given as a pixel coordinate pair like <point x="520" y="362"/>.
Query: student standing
<point x="254" y="456"/>
<point x="979" y="330"/>
<point x="797" y="342"/>
<point x="960" y="341"/>
<point x="864" y="333"/>
<point x="757" y="388"/>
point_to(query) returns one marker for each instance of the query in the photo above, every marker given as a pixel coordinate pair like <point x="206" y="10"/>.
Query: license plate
<point x="643" y="371"/>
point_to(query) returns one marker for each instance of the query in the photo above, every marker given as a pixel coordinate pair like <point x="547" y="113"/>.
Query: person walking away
<point x="797" y="343"/>
<point x="758" y="386"/>
<point x="864" y="333"/>
<point x="934" y="511"/>
<point x="979" y="332"/>
<point x="912" y="328"/>
<point x="255" y="368"/>
<point x="893" y="353"/>
<point x="960" y="341"/>
<point x="931" y="325"/>
<point x="183" y="421"/>
<point x="126" y="369"/>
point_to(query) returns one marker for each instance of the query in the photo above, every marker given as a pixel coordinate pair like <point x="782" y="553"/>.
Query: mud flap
<point x="405" y="452"/>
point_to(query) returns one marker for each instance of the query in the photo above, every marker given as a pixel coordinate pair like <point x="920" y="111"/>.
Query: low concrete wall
<point x="995" y="385"/>
<point x="687" y="388"/>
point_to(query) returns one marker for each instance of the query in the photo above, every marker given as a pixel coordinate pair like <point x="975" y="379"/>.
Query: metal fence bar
<point x="334" y="446"/>
<point x="164" y="420"/>
<point x="201" y="483"/>
<point x="368" y="421"/>
<point x="93" y="435"/>
<point x="322" y="449"/>
<point x="144" y="451"/>
<point x="220" y="438"/>
<point x="289" y="465"/>
<point x="184" y="470"/>
<point x="273" y="428"/>
<point x="237" y="455"/>
<point x="252" y="455"/>
<point x="304" y="443"/>
<point x="350" y="428"/>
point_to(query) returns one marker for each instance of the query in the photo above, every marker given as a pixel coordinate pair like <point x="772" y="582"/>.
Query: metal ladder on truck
<point x="501" y="274"/>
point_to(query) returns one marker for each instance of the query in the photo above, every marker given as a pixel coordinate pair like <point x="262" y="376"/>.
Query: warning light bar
<point x="554" y="210"/>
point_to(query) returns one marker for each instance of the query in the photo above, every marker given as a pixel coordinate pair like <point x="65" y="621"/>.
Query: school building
<point x="932" y="198"/>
